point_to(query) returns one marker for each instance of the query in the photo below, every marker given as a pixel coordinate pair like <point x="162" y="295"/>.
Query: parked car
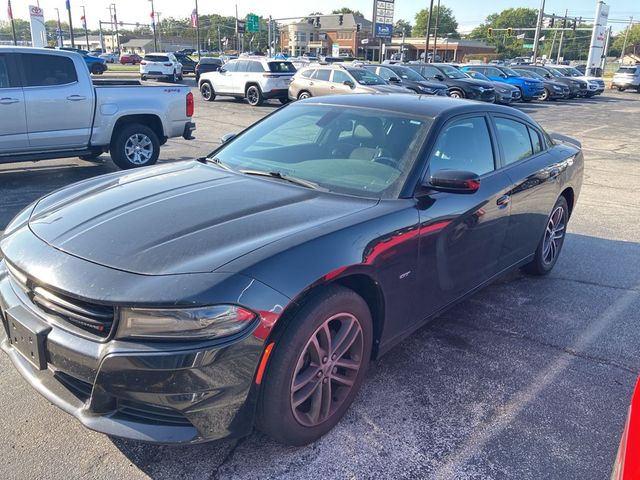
<point x="581" y="68"/>
<point x="193" y="300"/>
<point x="161" y="66"/>
<point x="553" y="90"/>
<point x="627" y="76"/>
<point x="255" y="78"/>
<point x="406" y="77"/>
<point x="55" y="110"/>
<point x="505" y="94"/>
<point x="109" y="57"/>
<point x="186" y="51"/>
<point x="96" y="52"/>
<point x="96" y="66"/>
<point x="132" y="58"/>
<point x="228" y="58"/>
<point x="627" y="463"/>
<point x="317" y="81"/>
<point x="577" y="88"/>
<point x="207" y="64"/>
<point x="530" y="88"/>
<point x="188" y="63"/>
<point x="458" y="84"/>
<point x="595" y="85"/>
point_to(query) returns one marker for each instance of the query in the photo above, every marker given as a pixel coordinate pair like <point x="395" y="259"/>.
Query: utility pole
<point x="153" y="24"/>
<point x="13" y="25"/>
<point x="435" y="33"/>
<point x="536" y="39"/>
<point x="560" y="46"/>
<point x="606" y="50"/>
<point x="73" y="42"/>
<point x="115" y="21"/>
<point x="101" y="37"/>
<point x="84" y="23"/>
<point x="402" y="47"/>
<point x="553" y="44"/>
<point x="59" y="32"/>
<point x="268" y="35"/>
<point x="626" y="36"/>
<point x="159" y="30"/>
<point x="219" y="40"/>
<point x="198" y="29"/>
<point x="426" y="42"/>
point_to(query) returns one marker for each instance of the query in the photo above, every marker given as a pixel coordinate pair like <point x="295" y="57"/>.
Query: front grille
<point x="143" y="412"/>
<point x="97" y="319"/>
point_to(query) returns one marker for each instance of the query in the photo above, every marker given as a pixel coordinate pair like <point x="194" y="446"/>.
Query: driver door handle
<point x="76" y="98"/>
<point x="8" y="101"/>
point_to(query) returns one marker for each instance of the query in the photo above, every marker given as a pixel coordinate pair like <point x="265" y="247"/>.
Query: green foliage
<point x="343" y="10"/>
<point x="400" y="27"/>
<point x="447" y="23"/>
<point x="633" y="40"/>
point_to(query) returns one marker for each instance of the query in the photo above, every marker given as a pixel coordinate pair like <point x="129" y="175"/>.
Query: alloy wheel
<point x="455" y="94"/>
<point x="327" y="369"/>
<point x="303" y="95"/>
<point x="553" y="235"/>
<point x="138" y="149"/>
<point x="252" y="95"/>
<point x="545" y="95"/>
<point x="205" y="90"/>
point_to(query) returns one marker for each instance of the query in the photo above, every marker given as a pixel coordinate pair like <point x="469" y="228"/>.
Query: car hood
<point x="471" y="81"/>
<point x="504" y="86"/>
<point x="183" y="217"/>
<point x="389" y="88"/>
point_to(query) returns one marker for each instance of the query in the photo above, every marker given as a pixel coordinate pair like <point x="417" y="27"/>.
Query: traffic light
<point x="358" y="27"/>
<point x="509" y="31"/>
<point x="564" y="23"/>
<point x="490" y="31"/>
<point x="317" y="24"/>
<point x="573" y="25"/>
<point x="340" y="19"/>
<point x="553" y="20"/>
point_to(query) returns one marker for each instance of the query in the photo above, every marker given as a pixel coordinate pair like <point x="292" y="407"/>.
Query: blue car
<point x="96" y="65"/>
<point x="529" y="87"/>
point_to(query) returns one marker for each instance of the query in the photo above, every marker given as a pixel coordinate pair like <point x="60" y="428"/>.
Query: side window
<point x="255" y="67"/>
<point x="430" y="72"/>
<point x="492" y="72"/>
<point x="536" y="142"/>
<point x="47" y="70"/>
<point x="242" y="66"/>
<point x="307" y="73"/>
<point x="231" y="66"/>
<point x="386" y="73"/>
<point x="514" y="138"/>
<point x="4" y="72"/>
<point x="322" y="74"/>
<point x="340" y="77"/>
<point x="464" y="145"/>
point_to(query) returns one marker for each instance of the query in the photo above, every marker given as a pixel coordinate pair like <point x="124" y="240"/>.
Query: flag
<point x="9" y="11"/>
<point x="520" y="37"/>
<point x="194" y="18"/>
<point x="84" y="21"/>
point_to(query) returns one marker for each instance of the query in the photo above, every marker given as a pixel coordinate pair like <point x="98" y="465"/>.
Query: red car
<point x="132" y="58"/>
<point x="627" y="466"/>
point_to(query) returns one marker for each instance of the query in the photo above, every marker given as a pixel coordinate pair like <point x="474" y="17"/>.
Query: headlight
<point x="185" y="323"/>
<point x="19" y="220"/>
<point x="428" y="90"/>
<point x="557" y="88"/>
<point x="530" y="84"/>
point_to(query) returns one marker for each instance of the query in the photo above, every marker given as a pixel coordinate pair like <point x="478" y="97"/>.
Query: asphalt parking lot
<point x="530" y="378"/>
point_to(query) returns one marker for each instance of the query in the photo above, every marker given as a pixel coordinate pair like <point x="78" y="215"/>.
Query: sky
<point x="469" y="13"/>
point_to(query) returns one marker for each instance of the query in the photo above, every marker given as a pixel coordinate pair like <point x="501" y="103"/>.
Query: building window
<point x="345" y="35"/>
<point x="299" y="36"/>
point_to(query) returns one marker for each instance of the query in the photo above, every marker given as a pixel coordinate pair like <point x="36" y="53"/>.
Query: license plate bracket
<point x="28" y="336"/>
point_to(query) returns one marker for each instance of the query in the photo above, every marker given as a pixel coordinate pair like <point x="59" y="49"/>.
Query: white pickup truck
<point x="50" y="108"/>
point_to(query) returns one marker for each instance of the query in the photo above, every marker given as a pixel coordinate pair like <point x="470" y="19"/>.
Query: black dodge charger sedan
<point x="195" y="300"/>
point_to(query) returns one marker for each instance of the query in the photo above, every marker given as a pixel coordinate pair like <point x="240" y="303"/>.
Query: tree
<point x="633" y="40"/>
<point x="447" y="23"/>
<point x="344" y="10"/>
<point x="400" y="27"/>
<point x="511" y="17"/>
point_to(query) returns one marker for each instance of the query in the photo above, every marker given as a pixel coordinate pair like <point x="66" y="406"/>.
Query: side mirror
<point x="228" y="136"/>
<point x="453" y="181"/>
<point x="222" y="70"/>
<point x="349" y="84"/>
<point x="439" y="77"/>
<point x="503" y="75"/>
<point x="394" y="79"/>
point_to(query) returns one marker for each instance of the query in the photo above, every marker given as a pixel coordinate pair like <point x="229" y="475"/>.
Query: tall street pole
<point x="153" y="24"/>
<point x="426" y="43"/>
<point x="536" y="39"/>
<point x="73" y="42"/>
<point x="626" y="36"/>
<point x="59" y="32"/>
<point x="560" y="46"/>
<point x="435" y="33"/>
<point x="84" y="23"/>
<point x="159" y="30"/>
<point x="13" y="25"/>
<point x="198" y="29"/>
<point x="115" y="21"/>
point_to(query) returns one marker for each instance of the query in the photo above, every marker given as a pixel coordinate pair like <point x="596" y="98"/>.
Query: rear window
<point x="156" y="58"/>
<point x="627" y="70"/>
<point x="281" y="67"/>
<point x="215" y="61"/>
<point x="44" y="70"/>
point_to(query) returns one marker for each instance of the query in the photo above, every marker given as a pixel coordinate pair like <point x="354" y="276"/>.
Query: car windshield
<point x="347" y="150"/>
<point x="556" y="72"/>
<point x="530" y="73"/>
<point x="572" y="72"/>
<point x="407" y="74"/>
<point x="365" y="77"/>
<point x="282" y="67"/>
<point x="452" y="72"/>
<point x="510" y="72"/>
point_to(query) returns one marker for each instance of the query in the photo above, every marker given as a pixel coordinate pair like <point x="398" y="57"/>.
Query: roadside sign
<point x="253" y="23"/>
<point x="383" y="18"/>
<point x="335" y="50"/>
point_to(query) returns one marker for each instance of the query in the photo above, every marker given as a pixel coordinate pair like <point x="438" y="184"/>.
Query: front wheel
<point x="621" y="89"/>
<point x="135" y="145"/>
<point x="545" y="95"/>
<point x="206" y="90"/>
<point x="254" y="96"/>
<point x="316" y="367"/>
<point x="456" y="94"/>
<point x="550" y="245"/>
<point x="302" y="95"/>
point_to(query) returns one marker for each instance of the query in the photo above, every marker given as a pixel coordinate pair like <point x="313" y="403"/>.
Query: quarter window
<point x="48" y="70"/>
<point x="464" y="145"/>
<point x="514" y="138"/>
<point x="307" y="73"/>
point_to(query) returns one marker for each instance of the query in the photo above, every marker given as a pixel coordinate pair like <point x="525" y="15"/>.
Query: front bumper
<point x="530" y="92"/>
<point x="488" y="95"/>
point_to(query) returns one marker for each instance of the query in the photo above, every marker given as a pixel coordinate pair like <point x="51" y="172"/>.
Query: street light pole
<point x="197" y="30"/>
<point x="536" y="38"/>
<point x="153" y="24"/>
<point x="115" y="21"/>
<point x="159" y="30"/>
<point x="84" y="21"/>
<point x="435" y="33"/>
<point x="73" y="42"/>
<point x="59" y="32"/>
<point x="426" y="45"/>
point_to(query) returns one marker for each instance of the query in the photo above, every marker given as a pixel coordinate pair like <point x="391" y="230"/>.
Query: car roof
<point x="46" y="51"/>
<point x="420" y="105"/>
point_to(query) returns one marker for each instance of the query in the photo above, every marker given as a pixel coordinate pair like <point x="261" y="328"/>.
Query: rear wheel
<point x="135" y="145"/>
<point x="96" y="69"/>
<point x="206" y="90"/>
<point x="621" y="89"/>
<point x="545" y="95"/>
<point x="550" y="245"/>
<point x="254" y="96"/>
<point x="316" y="368"/>
<point x="174" y="77"/>
<point x="143" y="77"/>
<point x="455" y="93"/>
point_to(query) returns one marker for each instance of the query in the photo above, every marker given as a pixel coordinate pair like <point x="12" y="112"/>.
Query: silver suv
<point x="627" y="76"/>
<point x="254" y="78"/>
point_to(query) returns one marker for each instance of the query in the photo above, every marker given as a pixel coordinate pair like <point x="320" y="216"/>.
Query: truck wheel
<point x="254" y="96"/>
<point x="134" y="145"/>
<point x="206" y="90"/>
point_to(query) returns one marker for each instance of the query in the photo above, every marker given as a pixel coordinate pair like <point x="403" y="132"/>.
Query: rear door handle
<point x="503" y="201"/>
<point x="76" y="98"/>
<point x="8" y="101"/>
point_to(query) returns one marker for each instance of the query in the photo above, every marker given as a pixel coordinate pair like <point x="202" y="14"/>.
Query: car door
<point x="533" y="169"/>
<point x="240" y="77"/>
<point x="321" y="82"/>
<point x="461" y="235"/>
<point x="224" y="78"/>
<point x="59" y="105"/>
<point x="338" y="77"/>
<point x="13" y="117"/>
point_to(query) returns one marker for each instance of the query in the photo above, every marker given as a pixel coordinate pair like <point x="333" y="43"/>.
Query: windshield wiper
<point x="216" y="161"/>
<point x="280" y="176"/>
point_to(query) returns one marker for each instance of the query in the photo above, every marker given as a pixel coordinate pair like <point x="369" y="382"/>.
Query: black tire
<point x="621" y="89"/>
<point x="207" y="92"/>
<point x="304" y="94"/>
<point x="254" y="96"/>
<point x="276" y="415"/>
<point x="180" y="77"/>
<point x="456" y="93"/>
<point x="120" y="148"/>
<point x="546" y="96"/>
<point x="174" y="78"/>
<point x="96" y="70"/>
<point x="143" y="77"/>
<point x="541" y="264"/>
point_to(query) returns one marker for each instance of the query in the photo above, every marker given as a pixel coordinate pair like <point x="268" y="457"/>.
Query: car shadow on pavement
<point x="529" y="375"/>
